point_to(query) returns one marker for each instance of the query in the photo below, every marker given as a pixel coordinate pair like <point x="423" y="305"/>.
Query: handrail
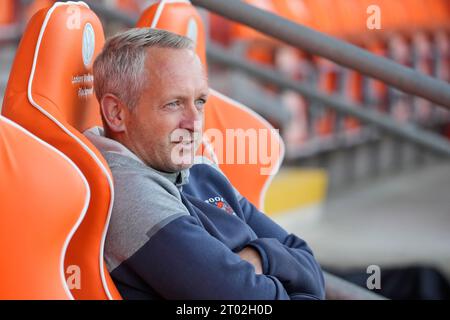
<point x="407" y="131"/>
<point x="345" y="54"/>
<point x="339" y="289"/>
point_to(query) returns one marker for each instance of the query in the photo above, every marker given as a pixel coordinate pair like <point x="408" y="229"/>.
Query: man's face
<point x="164" y="129"/>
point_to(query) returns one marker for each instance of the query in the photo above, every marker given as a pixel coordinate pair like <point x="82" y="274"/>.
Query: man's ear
<point x="114" y="112"/>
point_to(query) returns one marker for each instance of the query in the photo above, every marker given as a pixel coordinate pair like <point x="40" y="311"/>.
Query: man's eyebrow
<point x="184" y="97"/>
<point x="204" y="94"/>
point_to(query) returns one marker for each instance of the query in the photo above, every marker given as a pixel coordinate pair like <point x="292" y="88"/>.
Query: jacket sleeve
<point x="285" y="256"/>
<point x="182" y="261"/>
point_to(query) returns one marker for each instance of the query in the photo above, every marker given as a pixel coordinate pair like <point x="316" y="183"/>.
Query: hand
<point x="252" y="256"/>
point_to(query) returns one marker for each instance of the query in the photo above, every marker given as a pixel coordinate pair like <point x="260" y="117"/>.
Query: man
<point x="165" y="240"/>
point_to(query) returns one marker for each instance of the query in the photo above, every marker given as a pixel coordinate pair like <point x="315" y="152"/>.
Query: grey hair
<point x="120" y="68"/>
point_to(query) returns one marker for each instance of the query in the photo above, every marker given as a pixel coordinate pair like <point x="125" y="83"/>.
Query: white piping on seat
<point x="86" y="148"/>
<point x="85" y="206"/>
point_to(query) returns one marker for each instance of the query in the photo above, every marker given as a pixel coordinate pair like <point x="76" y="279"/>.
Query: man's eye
<point x="173" y="105"/>
<point x="200" y="103"/>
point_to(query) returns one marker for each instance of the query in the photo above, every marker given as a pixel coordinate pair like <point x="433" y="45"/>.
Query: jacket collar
<point x="106" y="145"/>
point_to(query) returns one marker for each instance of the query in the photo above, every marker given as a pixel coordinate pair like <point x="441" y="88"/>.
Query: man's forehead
<point x="174" y="62"/>
<point x="170" y="55"/>
<point x="176" y="76"/>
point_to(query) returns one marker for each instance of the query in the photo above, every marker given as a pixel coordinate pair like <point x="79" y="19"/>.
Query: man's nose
<point x="191" y="117"/>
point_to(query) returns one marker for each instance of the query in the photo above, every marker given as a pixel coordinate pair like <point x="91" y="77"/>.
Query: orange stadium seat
<point x="130" y="6"/>
<point x="44" y="197"/>
<point x="322" y="16"/>
<point x="162" y="15"/>
<point x="295" y="11"/>
<point x="327" y="82"/>
<point x="50" y="93"/>
<point x="242" y="32"/>
<point x="258" y="46"/>
<point x="35" y="6"/>
<point x="219" y="29"/>
<point x="440" y="11"/>
<point x="222" y="113"/>
<point x="417" y="12"/>
<point x="7" y="10"/>
<point x="394" y="16"/>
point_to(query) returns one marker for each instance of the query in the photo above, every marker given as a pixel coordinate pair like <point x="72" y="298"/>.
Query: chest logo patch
<point x="220" y="202"/>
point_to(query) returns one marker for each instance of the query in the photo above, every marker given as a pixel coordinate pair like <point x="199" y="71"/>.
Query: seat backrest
<point x="43" y="199"/>
<point x="245" y="146"/>
<point x="50" y="93"/>
<point x="179" y="17"/>
<point x="6" y="12"/>
<point x="242" y="32"/>
<point x="33" y="7"/>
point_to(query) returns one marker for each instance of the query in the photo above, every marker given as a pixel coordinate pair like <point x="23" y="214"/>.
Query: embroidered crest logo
<point x="220" y="202"/>
<point x="88" y="46"/>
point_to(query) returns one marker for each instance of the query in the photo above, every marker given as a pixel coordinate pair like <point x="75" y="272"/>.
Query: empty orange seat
<point x="130" y="6"/>
<point x="44" y="197"/>
<point x="50" y="93"/>
<point x="242" y="32"/>
<point x="7" y="8"/>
